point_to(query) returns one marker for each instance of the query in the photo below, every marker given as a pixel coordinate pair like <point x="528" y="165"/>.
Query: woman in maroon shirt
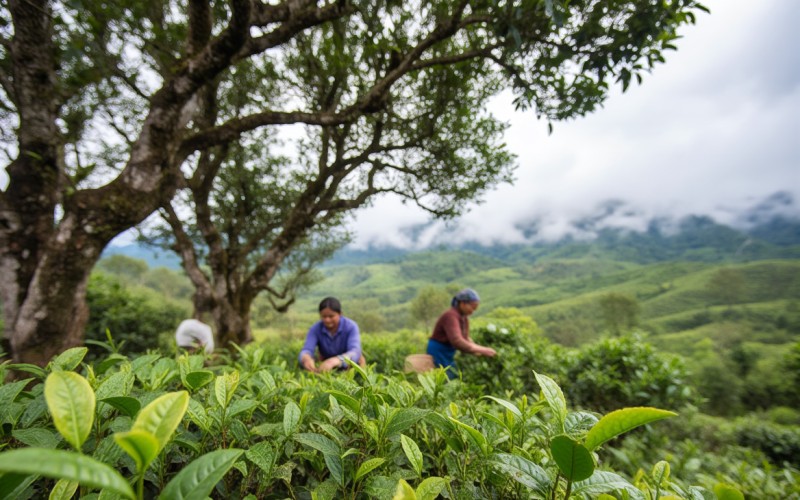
<point x="451" y="333"/>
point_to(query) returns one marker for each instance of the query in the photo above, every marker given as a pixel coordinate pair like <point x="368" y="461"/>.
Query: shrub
<point x="618" y="372"/>
<point x="132" y="315"/>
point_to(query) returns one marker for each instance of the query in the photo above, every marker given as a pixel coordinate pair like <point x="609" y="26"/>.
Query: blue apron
<point x="443" y="356"/>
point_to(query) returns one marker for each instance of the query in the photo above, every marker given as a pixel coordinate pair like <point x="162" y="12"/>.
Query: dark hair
<point x="331" y="303"/>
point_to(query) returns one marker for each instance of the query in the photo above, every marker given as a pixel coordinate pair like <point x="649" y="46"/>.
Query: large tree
<point x="104" y="104"/>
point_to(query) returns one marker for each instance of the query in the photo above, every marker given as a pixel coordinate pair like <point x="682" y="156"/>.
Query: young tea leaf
<point x="554" y="397"/>
<point x="404" y="491"/>
<point x="127" y="405"/>
<point x="430" y="488"/>
<point x="162" y="416"/>
<point x="71" y="402"/>
<point x="291" y="418"/>
<point x="573" y="459"/>
<point x="197" y="480"/>
<point x="604" y="482"/>
<point x="621" y="421"/>
<point x="412" y="452"/>
<point x="64" y="489"/>
<point x="141" y="445"/>
<point x="70" y="359"/>
<point x="368" y="466"/>
<point x="60" y="464"/>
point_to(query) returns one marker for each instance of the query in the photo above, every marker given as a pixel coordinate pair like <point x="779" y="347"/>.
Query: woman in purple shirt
<point x="335" y="336"/>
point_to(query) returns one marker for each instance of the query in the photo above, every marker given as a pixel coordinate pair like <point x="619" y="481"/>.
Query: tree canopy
<point x="108" y="108"/>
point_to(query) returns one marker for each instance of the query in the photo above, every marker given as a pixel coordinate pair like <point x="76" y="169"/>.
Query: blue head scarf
<point x="465" y="295"/>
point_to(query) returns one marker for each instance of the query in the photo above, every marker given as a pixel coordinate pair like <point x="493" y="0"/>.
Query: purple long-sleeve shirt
<point x="346" y="341"/>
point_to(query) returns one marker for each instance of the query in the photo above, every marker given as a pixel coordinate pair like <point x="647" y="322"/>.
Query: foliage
<point x="620" y="312"/>
<point x="428" y="304"/>
<point x="625" y="371"/>
<point x="176" y="428"/>
<point x="136" y="318"/>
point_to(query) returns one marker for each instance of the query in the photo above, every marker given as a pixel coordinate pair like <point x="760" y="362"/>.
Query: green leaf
<point x="572" y="458"/>
<point x="63" y="490"/>
<point x="71" y="402"/>
<point x="368" y="466"/>
<point x="335" y="467"/>
<point x="70" y="359"/>
<point x="602" y="482"/>
<point x="127" y="405"/>
<point x="36" y="437"/>
<point x="262" y="455"/>
<point x="430" y="488"/>
<point x="141" y="445"/>
<point x="224" y="387"/>
<point x="38" y="371"/>
<point x="13" y="485"/>
<point x="197" y="480"/>
<point x="403" y="418"/>
<point x="621" y="421"/>
<point x="727" y="492"/>
<point x="162" y="416"/>
<point x="198" y="379"/>
<point x="59" y="464"/>
<point x="319" y="442"/>
<point x="523" y="471"/>
<point x="347" y="400"/>
<point x="507" y="405"/>
<point x="404" y="491"/>
<point x="474" y="435"/>
<point x="412" y="452"/>
<point x="554" y="397"/>
<point x="291" y="418"/>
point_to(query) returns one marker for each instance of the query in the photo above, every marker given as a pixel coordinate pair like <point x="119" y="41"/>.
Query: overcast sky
<point x="714" y="131"/>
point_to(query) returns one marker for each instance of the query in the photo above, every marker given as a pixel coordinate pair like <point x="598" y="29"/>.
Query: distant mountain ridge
<point x="694" y="238"/>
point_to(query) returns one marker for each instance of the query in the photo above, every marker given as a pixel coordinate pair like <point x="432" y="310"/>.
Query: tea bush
<point x="625" y="371"/>
<point x="163" y="427"/>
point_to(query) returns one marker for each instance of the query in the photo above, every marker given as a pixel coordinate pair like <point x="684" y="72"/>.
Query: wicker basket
<point x="418" y="363"/>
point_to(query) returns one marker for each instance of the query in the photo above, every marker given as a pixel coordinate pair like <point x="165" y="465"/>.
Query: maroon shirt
<point x="452" y="328"/>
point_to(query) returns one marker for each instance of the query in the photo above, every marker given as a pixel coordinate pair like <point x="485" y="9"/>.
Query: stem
<point x="569" y="489"/>
<point x="140" y="486"/>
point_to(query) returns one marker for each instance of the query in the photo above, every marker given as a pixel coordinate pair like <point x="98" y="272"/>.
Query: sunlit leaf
<point x="71" y="402"/>
<point x="621" y="421"/>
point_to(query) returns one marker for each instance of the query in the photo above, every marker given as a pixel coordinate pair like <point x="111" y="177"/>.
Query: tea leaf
<point x="727" y="492"/>
<point x="162" y="416"/>
<point x="430" y="488"/>
<point x="621" y="421"/>
<point x="411" y="450"/>
<point x="291" y="418"/>
<point x="368" y="466"/>
<point x="262" y="455"/>
<point x="474" y="435"/>
<point x="197" y="480"/>
<point x="128" y="406"/>
<point x="198" y="379"/>
<point x="59" y="464"/>
<point x="572" y="458"/>
<point x="404" y="491"/>
<point x="554" y="397"/>
<point x="335" y="467"/>
<point x="63" y="490"/>
<point x="71" y="402"/>
<point x="36" y="437"/>
<point x="403" y="418"/>
<point x="70" y="359"/>
<point x="507" y="405"/>
<point x="141" y="445"/>
<point x="318" y="442"/>
<point x="602" y="482"/>
<point x="523" y="471"/>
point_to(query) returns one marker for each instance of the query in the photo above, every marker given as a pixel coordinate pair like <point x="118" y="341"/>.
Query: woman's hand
<point x="308" y="363"/>
<point x="488" y="352"/>
<point x="329" y="364"/>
